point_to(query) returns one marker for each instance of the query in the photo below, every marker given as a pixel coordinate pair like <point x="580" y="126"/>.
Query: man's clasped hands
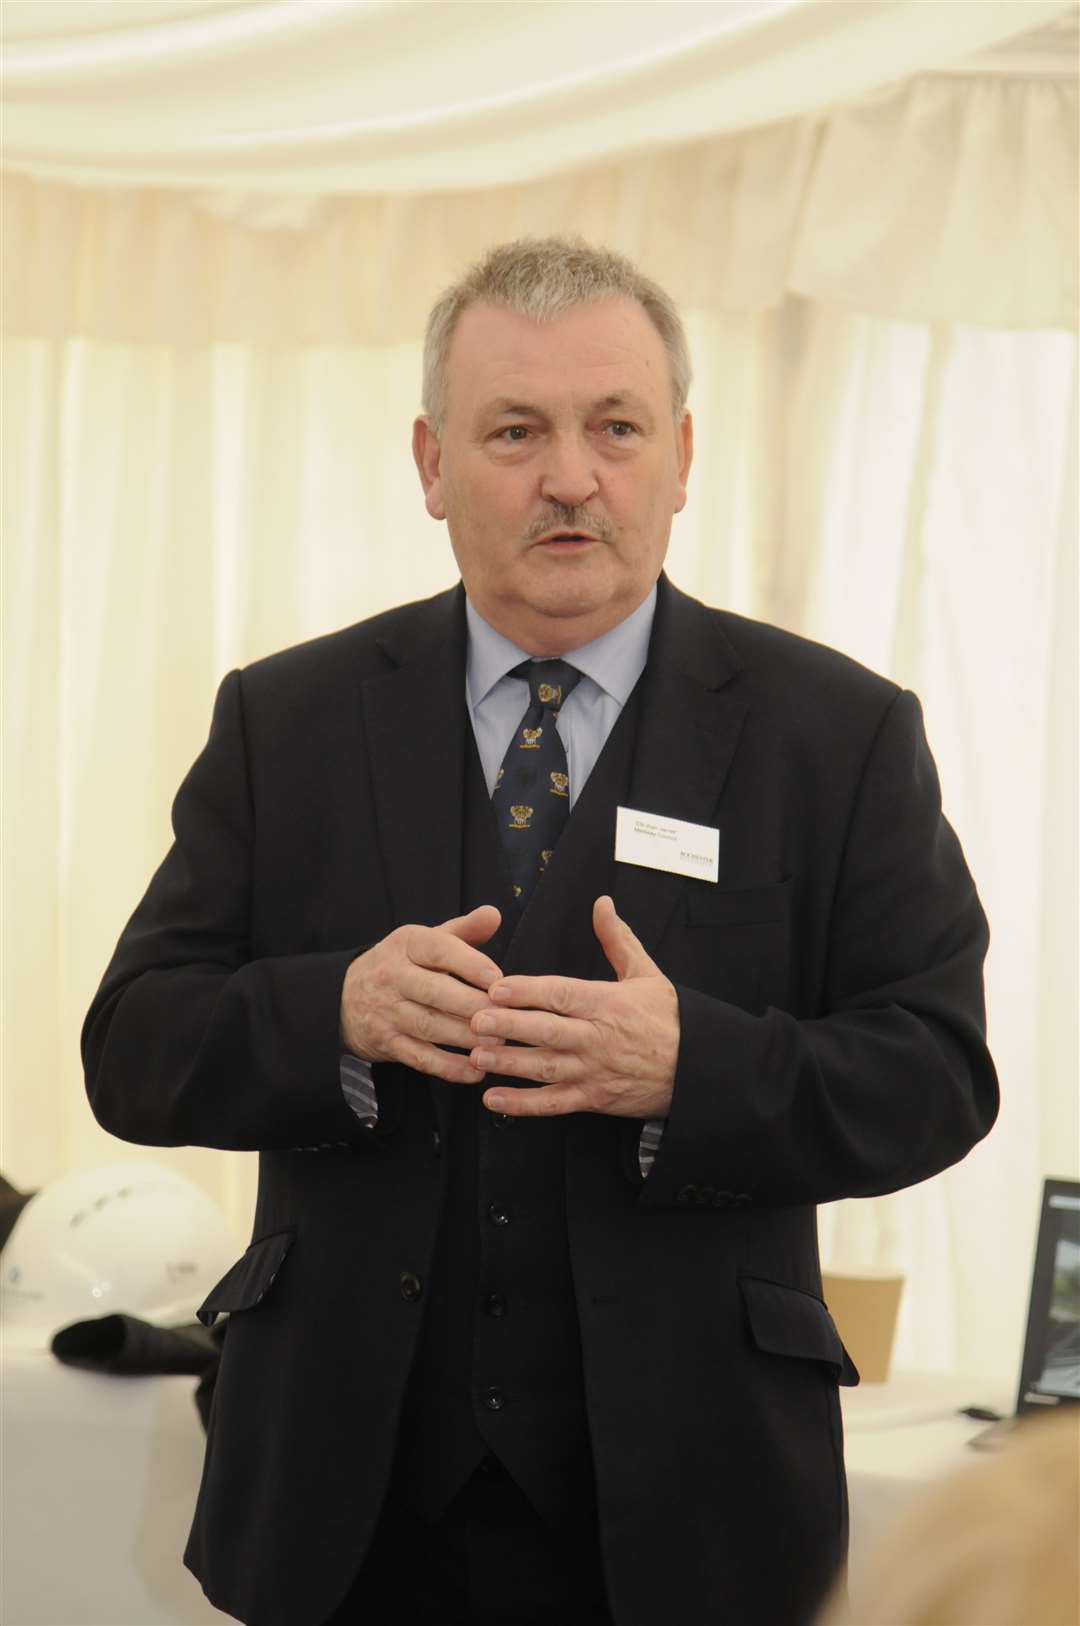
<point x="426" y="993"/>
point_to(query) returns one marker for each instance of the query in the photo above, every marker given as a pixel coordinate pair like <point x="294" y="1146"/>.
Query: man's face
<point x="559" y="468"/>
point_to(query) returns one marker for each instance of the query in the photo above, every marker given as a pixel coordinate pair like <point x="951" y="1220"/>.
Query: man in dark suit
<point x="559" y="943"/>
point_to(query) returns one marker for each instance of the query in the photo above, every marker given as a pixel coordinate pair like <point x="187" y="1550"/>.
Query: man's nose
<point x="568" y="476"/>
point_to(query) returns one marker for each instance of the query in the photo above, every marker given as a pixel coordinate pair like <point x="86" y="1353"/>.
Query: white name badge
<point x="675" y="845"/>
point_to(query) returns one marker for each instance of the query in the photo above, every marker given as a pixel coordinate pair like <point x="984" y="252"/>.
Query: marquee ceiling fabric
<point x="935" y="200"/>
<point x="394" y="96"/>
<point x="202" y="173"/>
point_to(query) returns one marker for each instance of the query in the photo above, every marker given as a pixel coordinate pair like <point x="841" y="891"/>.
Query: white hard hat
<point x="133" y="1237"/>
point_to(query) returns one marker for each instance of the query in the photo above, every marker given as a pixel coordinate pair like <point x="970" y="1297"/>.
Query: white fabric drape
<point x="940" y="199"/>
<point x="395" y="96"/>
<point x="208" y="394"/>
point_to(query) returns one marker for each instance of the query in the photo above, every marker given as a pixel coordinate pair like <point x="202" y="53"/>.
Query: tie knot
<point x="550" y="682"/>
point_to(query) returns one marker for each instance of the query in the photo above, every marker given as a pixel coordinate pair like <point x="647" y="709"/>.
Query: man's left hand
<point x="593" y="1046"/>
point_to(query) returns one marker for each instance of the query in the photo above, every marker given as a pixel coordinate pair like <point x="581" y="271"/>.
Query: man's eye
<point x="514" y="432"/>
<point x="621" y="430"/>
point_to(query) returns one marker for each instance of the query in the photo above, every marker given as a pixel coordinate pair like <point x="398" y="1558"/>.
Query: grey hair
<point x="543" y="278"/>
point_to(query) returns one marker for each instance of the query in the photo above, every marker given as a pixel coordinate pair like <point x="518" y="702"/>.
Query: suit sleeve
<point x="891" y="1082"/>
<point x="190" y="1040"/>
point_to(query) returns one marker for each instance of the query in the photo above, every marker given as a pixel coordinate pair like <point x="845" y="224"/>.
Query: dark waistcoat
<point x="498" y="1369"/>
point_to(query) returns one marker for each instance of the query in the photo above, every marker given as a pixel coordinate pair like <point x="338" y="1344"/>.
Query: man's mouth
<point x="567" y="539"/>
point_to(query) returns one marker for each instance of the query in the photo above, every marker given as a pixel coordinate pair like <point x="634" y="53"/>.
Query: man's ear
<point x="427" y="455"/>
<point x="684" y="456"/>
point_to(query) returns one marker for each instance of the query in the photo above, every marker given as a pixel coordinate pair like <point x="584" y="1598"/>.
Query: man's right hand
<point x="416" y="991"/>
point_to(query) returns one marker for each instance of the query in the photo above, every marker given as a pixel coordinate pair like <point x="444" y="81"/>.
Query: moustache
<point x="563" y="518"/>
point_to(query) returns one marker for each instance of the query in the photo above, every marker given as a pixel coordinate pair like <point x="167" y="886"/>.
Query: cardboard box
<point x="865" y="1308"/>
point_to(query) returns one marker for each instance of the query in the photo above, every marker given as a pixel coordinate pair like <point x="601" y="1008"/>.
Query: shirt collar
<point x="614" y="661"/>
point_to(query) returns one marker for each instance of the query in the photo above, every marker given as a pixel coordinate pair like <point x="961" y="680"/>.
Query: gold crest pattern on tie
<point x="531" y="797"/>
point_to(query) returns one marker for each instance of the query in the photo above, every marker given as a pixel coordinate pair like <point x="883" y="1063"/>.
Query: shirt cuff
<point x="649" y="1144"/>
<point x="358" y="1088"/>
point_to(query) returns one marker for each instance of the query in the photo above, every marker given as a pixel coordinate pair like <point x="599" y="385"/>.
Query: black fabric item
<point x="124" y="1346"/>
<point x="532" y="790"/>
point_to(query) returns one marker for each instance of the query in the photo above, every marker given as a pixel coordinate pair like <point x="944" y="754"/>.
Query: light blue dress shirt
<point x="610" y="667"/>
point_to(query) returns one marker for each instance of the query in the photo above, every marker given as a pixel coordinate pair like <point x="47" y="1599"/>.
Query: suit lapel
<point x="687" y="735"/>
<point x="415" y="719"/>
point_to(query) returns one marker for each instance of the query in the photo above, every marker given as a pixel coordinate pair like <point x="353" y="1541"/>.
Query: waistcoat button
<point x="501" y="1119"/>
<point x="498" y="1215"/>
<point x="495" y="1304"/>
<point x="411" y="1286"/>
<point x="494" y="1399"/>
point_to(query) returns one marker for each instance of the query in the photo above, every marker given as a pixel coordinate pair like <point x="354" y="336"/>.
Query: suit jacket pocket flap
<point x="249" y="1280"/>
<point x="786" y="1321"/>
<point x="750" y="905"/>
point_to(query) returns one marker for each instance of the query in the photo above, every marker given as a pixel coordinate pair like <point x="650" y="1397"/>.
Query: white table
<point x="900" y="1438"/>
<point x="100" y="1476"/>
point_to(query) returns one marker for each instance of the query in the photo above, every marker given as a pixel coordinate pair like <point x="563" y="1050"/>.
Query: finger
<point x="542" y="1066"/>
<point x="624" y="952"/>
<point x="565" y="996"/>
<point x="440" y="992"/>
<point x="433" y="1027"/>
<point x="552" y="1101"/>
<point x="440" y="950"/>
<point x="538" y="1028"/>
<point x="428" y="1058"/>
<point x="475" y="927"/>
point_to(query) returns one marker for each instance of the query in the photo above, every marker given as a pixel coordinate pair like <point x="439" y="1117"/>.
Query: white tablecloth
<point x="901" y="1437"/>
<point x="98" y="1481"/>
<point x="99" y="1478"/>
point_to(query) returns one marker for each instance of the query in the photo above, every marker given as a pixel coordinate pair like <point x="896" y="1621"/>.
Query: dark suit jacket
<point x="832" y="1045"/>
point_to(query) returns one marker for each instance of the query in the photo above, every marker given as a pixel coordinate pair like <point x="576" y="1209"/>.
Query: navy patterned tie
<point x="532" y="788"/>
